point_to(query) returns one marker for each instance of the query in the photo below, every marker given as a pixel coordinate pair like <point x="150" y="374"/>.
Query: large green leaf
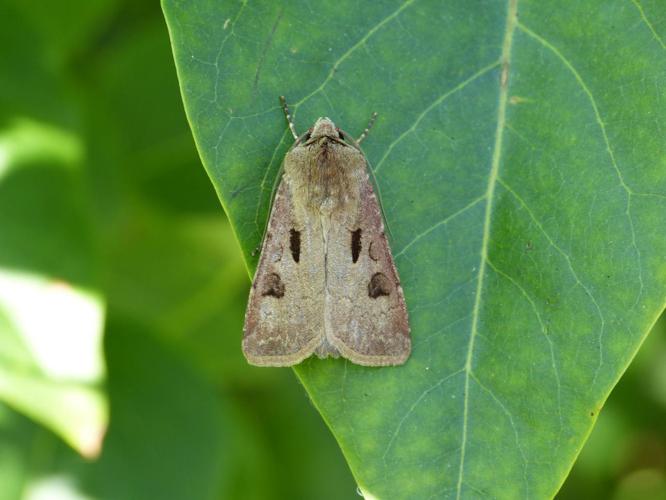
<point x="521" y="163"/>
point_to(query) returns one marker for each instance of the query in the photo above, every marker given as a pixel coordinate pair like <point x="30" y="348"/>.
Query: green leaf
<point x="521" y="163"/>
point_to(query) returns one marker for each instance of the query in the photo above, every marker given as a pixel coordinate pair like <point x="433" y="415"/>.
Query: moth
<point x="326" y="283"/>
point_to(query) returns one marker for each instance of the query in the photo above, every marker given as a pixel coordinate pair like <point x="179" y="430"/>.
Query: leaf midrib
<point x="511" y="22"/>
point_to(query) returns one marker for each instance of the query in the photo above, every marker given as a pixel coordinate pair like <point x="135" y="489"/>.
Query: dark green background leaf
<point x="50" y="307"/>
<point x="521" y="165"/>
<point x="101" y="187"/>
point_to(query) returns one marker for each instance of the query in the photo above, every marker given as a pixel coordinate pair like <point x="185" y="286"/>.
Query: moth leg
<point x="373" y="118"/>
<point x="283" y="101"/>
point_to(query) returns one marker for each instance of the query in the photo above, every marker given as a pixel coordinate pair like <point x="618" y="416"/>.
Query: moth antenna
<point x="283" y="101"/>
<point x="373" y="118"/>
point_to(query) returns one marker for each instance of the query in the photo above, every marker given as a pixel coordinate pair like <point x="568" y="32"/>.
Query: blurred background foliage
<point x="109" y="224"/>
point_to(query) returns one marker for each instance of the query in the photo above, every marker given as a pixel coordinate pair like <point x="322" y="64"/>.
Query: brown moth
<point x="326" y="283"/>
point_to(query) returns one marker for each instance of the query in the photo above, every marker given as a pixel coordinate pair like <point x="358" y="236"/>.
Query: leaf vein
<point x="411" y="409"/>
<point x="508" y="414"/>
<point x="351" y="50"/>
<point x="442" y="222"/>
<point x="649" y="24"/>
<point x="433" y="105"/>
<point x="602" y="126"/>
<point x="511" y="20"/>
<point x="216" y="63"/>
<point x="551" y="345"/>
<point x="567" y="258"/>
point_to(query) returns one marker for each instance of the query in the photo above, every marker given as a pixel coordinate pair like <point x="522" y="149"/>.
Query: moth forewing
<point x="283" y="321"/>
<point x="368" y="314"/>
<point x="326" y="282"/>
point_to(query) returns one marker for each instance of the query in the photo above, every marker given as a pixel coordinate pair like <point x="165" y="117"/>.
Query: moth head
<point x="325" y="130"/>
<point x="324" y="127"/>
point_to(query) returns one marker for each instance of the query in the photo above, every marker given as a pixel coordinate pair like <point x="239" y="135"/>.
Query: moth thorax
<point x="330" y="188"/>
<point x="325" y="174"/>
